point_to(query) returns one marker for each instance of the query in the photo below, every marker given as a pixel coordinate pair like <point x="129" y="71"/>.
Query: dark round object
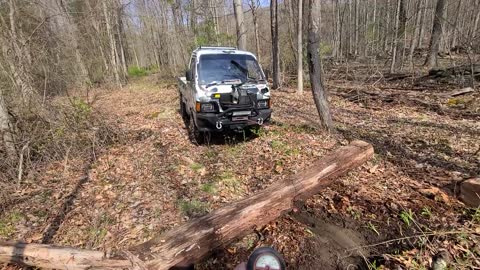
<point x="263" y="257"/>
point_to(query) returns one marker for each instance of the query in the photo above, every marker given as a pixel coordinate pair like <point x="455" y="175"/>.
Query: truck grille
<point x="246" y="100"/>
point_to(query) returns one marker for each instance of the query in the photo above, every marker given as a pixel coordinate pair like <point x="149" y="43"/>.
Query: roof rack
<point x="215" y="48"/>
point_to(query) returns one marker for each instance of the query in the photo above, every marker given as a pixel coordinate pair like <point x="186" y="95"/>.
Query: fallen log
<point x="194" y="240"/>
<point x="52" y="257"/>
<point x="190" y="242"/>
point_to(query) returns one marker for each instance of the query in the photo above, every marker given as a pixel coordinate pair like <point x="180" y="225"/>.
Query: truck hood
<point x="205" y="94"/>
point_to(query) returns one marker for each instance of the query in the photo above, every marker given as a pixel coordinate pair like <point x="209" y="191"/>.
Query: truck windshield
<point x="225" y="68"/>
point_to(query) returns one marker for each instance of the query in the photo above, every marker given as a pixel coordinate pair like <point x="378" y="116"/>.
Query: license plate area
<point x="239" y="118"/>
<point x="241" y="113"/>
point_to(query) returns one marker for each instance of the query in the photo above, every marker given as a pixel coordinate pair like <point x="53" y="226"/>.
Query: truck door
<point x="192" y="87"/>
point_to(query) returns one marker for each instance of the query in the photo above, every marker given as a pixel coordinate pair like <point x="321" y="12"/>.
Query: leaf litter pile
<point x="398" y="210"/>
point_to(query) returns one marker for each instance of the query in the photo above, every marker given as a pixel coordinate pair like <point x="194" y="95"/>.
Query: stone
<point x="470" y="192"/>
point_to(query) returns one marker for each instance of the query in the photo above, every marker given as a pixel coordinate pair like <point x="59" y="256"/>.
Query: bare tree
<point x="398" y="42"/>
<point x="241" y="33"/>
<point x="254" y="4"/>
<point x="300" y="48"/>
<point x="315" y="64"/>
<point x="431" y="60"/>
<point x="6" y="131"/>
<point x="275" y="47"/>
<point x="112" y="43"/>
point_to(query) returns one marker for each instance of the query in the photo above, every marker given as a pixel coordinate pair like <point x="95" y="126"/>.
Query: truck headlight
<point x="204" y="107"/>
<point x="263" y="104"/>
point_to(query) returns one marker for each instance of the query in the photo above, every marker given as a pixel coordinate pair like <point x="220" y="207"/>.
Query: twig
<point x="20" y="165"/>
<point x="137" y="264"/>
<point x="406" y="238"/>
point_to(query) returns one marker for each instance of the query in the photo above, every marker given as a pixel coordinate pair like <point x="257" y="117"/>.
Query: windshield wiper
<point x="240" y="67"/>
<point x="211" y="84"/>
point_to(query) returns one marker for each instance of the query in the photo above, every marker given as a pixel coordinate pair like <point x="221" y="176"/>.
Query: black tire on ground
<point x="195" y="135"/>
<point x="183" y="111"/>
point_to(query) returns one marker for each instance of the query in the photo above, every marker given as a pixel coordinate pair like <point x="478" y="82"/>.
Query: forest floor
<point x="152" y="178"/>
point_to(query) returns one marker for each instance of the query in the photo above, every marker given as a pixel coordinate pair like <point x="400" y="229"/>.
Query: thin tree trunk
<point x="254" y="7"/>
<point x="414" y="40"/>
<point x="241" y="33"/>
<point x="6" y="131"/>
<point x="356" y="28"/>
<point x="66" y="21"/>
<point x="315" y="65"/>
<point x="474" y="33"/>
<point x="395" y="39"/>
<point x="374" y="27"/>
<point x="16" y="60"/>
<point x="422" y="25"/>
<point x="113" y="54"/>
<point x="193" y="17"/>
<point x="435" y="39"/>
<point x="387" y="27"/>
<point x="455" y="31"/>
<point x="275" y="45"/>
<point x="300" y="49"/>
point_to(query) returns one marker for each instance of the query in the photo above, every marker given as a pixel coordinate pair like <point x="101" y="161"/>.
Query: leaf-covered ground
<point x="153" y="178"/>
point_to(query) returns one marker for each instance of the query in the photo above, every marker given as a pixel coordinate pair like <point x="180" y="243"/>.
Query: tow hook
<point x="260" y="121"/>
<point x="218" y="125"/>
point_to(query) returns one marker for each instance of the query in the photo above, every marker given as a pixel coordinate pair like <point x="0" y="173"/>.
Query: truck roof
<point x="219" y="50"/>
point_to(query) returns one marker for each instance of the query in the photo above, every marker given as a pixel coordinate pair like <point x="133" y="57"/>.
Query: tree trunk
<point x="193" y="17"/>
<point x="300" y="49"/>
<point x="112" y="43"/>
<point x="356" y="28"/>
<point x="422" y="24"/>
<point x="15" y="58"/>
<point x="6" y="131"/>
<point x="315" y="65"/>
<point x="275" y="46"/>
<point x="241" y="33"/>
<point x="387" y="27"/>
<point x="66" y="21"/>
<point x="254" y="7"/>
<point x="413" y="43"/>
<point x="474" y="33"/>
<point x="51" y="257"/>
<point x="398" y="41"/>
<point x="435" y="39"/>
<point x="455" y="31"/>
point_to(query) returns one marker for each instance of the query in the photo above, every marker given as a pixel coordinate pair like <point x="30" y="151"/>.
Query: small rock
<point x="470" y="192"/>
<point x="440" y="261"/>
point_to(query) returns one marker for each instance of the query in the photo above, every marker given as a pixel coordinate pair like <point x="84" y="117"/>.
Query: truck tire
<point x="183" y="111"/>
<point x="195" y="135"/>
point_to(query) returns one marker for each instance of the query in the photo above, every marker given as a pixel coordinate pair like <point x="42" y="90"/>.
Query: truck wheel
<point x="183" y="111"/>
<point x="196" y="136"/>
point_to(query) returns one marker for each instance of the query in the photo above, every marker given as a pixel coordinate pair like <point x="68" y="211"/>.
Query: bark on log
<point x="194" y="240"/>
<point x="52" y="257"/>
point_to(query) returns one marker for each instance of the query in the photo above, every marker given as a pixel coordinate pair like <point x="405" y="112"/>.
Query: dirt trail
<point x="153" y="179"/>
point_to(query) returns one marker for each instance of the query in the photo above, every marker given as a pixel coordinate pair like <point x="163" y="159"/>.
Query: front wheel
<point x="182" y="109"/>
<point x="195" y="135"/>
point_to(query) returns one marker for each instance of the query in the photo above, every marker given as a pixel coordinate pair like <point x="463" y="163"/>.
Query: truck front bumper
<point x="214" y="122"/>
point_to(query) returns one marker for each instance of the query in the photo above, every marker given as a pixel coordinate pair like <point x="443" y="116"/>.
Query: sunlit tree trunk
<point x="275" y="47"/>
<point x="300" y="49"/>
<point x="241" y="33"/>
<point x="253" y="7"/>
<point x="112" y="43"/>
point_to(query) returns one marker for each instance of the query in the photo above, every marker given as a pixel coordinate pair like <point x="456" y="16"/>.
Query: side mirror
<point x="188" y="75"/>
